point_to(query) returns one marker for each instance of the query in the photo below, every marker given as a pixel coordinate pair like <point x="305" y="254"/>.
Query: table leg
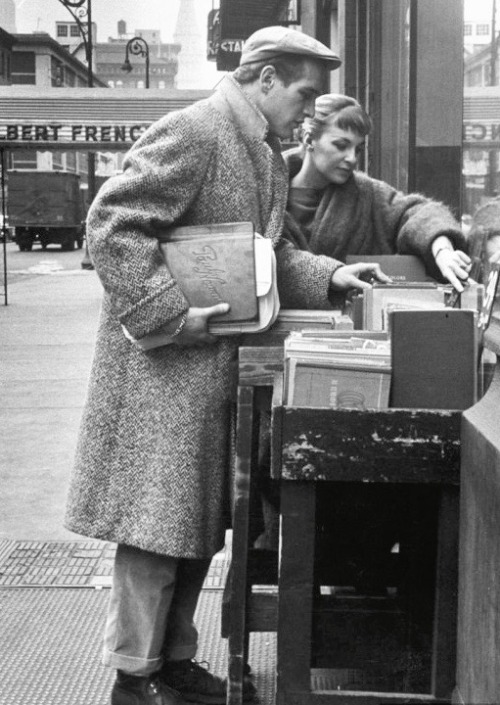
<point x="296" y="579"/>
<point x="446" y="595"/>
<point x="237" y="638"/>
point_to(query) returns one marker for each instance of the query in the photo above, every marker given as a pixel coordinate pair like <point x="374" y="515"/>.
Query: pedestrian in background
<point x="153" y="461"/>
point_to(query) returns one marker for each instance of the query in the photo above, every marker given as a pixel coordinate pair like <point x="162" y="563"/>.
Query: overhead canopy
<point x="83" y="118"/>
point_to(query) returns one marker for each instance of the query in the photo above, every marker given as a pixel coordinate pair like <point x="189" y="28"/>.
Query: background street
<point x="46" y="346"/>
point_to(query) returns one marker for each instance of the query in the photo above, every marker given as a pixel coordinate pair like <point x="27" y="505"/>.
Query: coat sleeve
<point x="303" y="277"/>
<point x="162" y="175"/>
<point x="415" y="222"/>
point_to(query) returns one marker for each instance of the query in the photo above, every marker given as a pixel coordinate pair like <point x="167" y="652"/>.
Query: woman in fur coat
<point x="335" y="210"/>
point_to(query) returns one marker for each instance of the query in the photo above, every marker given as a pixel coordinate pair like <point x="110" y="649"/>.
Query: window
<point x="23" y="68"/>
<point x="56" y="73"/>
<point x="482" y="29"/>
<point x="57" y="160"/>
<point x="24" y="159"/>
<point x="467" y="30"/>
<point x="71" y="161"/>
<point x="62" y="30"/>
<point x="69" y="78"/>
<point x="74" y="31"/>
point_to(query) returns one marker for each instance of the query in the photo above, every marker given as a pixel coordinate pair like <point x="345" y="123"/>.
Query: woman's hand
<point x="195" y="330"/>
<point x="358" y="276"/>
<point x="454" y="265"/>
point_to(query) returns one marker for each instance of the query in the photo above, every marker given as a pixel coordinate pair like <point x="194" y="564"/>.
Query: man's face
<point x="286" y="107"/>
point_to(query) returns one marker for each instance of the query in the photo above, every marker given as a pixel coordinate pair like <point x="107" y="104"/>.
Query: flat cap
<point x="269" y="42"/>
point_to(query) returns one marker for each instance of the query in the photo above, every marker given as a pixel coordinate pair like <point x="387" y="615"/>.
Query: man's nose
<point x="309" y="108"/>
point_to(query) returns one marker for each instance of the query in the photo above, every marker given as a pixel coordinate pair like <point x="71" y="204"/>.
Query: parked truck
<point x="45" y="207"/>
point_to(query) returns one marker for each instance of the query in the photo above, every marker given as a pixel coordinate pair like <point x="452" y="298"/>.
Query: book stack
<point x="296" y="319"/>
<point x="382" y="299"/>
<point x="343" y="371"/>
<point x="222" y="263"/>
<point x="401" y="268"/>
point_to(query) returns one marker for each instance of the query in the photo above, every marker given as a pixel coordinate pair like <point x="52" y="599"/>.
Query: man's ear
<point x="267" y="78"/>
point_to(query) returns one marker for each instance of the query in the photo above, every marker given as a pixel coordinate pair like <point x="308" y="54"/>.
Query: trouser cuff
<point x="131" y="664"/>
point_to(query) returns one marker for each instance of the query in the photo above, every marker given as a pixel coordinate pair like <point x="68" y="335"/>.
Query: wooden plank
<point x="262" y="612"/>
<point x="478" y="650"/>
<point x="277" y="426"/>
<point x="298" y="509"/>
<point x="347" y="697"/>
<point x="444" y="650"/>
<point x="238" y="577"/>
<point x="370" y="446"/>
<point x="259" y="365"/>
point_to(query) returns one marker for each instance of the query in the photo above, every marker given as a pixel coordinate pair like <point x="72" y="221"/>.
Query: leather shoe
<point x="143" y="690"/>
<point x="197" y="685"/>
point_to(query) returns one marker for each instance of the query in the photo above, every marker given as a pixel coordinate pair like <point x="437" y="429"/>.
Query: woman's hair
<point x="288" y="67"/>
<point x="339" y="110"/>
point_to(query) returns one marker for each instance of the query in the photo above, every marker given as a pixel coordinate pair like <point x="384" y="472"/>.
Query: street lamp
<point x="137" y="46"/>
<point x="81" y="11"/>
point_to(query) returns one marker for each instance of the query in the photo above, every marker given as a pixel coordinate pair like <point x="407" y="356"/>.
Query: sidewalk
<point x="46" y="346"/>
<point x="53" y="583"/>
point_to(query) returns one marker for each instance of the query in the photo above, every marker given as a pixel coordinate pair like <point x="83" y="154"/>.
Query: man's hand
<point x="358" y="276"/>
<point x="455" y="266"/>
<point x="195" y="330"/>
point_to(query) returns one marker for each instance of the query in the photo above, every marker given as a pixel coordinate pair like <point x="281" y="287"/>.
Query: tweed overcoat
<point x="364" y="216"/>
<point x="152" y="462"/>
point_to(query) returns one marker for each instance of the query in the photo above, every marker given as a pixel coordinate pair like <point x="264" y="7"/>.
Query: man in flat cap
<point x="153" y="461"/>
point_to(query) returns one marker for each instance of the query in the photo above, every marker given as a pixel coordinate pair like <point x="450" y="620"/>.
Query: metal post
<point x="81" y="11"/>
<point x="4" y="226"/>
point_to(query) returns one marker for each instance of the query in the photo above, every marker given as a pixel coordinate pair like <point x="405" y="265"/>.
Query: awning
<point x="83" y="118"/>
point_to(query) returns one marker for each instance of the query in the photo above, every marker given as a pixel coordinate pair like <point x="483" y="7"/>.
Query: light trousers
<point x="151" y="610"/>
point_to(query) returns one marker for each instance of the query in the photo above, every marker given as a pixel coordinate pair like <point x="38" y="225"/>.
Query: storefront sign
<point x="483" y="132"/>
<point x="70" y="134"/>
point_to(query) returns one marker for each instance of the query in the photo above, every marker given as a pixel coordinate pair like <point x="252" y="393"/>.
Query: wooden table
<point x="311" y="447"/>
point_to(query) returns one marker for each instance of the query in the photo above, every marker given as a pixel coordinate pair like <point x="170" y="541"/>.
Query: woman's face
<point x="335" y="153"/>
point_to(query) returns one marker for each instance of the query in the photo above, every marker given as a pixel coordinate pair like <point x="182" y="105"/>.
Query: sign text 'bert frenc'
<point x="74" y="133"/>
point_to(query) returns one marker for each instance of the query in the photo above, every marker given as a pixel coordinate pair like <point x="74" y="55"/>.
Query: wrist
<point x="176" y="326"/>
<point x="440" y="249"/>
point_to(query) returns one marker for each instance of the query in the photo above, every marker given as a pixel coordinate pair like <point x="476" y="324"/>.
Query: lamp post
<point x="81" y="11"/>
<point x="137" y="46"/>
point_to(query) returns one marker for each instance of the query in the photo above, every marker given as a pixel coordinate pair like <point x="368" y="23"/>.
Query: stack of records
<point x="348" y="372"/>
